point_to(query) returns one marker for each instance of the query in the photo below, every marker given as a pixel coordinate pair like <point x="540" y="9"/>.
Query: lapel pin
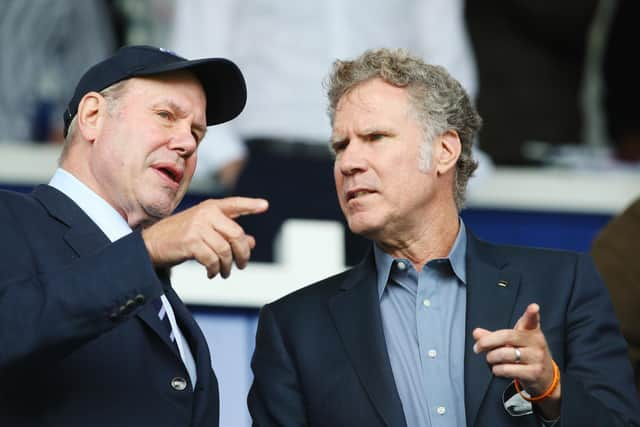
<point x="503" y="283"/>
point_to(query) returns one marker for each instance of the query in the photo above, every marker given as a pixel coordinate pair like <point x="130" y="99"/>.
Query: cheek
<point x="190" y="167"/>
<point x="337" y="176"/>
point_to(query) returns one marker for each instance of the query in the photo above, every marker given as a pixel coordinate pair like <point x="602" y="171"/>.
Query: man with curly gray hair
<point x="439" y="101"/>
<point x="435" y="327"/>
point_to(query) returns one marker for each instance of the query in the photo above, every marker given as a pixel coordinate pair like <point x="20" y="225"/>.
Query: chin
<point x="362" y="227"/>
<point x="158" y="210"/>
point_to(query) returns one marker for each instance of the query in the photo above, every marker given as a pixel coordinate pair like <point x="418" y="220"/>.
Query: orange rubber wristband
<point x="547" y="393"/>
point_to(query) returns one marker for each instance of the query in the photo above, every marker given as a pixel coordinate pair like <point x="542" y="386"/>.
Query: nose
<point x="352" y="159"/>
<point x="183" y="143"/>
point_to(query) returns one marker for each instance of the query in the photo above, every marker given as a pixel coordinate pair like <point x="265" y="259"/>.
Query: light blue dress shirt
<point x="423" y="318"/>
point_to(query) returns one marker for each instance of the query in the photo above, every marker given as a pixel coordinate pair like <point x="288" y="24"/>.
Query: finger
<point x="241" y="251"/>
<point x="251" y="240"/>
<point x="500" y="338"/>
<point x="525" y="373"/>
<point x="506" y="355"/>
<point x="234" y="207"/>
<point x="223" y="250"/>
<point x="214" y="253"/>
<point x="234" y="234"/>
<point x="208" y="258"/>
<point x="479" y="333"/>
<point x="530" y="320"/>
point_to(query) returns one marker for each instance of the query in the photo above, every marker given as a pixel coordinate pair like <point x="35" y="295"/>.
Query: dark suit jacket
<point x="321" y="358"/>
<point x="79" y="343"/>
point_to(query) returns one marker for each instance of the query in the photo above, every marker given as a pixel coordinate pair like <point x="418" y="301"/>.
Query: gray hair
<point x="440" y="102"/>
<point x="112" y="94"/>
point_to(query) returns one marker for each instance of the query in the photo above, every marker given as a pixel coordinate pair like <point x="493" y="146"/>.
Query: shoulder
<point x="316" y="292"/>
<point x="522" y="257"/>
<point x="14" y="204"/>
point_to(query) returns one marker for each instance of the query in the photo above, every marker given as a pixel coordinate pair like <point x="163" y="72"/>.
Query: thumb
<point x="234" y="207"/>
<point x="530" y="320"/>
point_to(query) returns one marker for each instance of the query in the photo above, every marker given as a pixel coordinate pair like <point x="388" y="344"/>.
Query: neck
<point x="432" y="238"/>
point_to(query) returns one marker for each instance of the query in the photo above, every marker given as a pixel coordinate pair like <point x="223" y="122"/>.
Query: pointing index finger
<point x="530" y="320"/>
<point x="234" y="207"/>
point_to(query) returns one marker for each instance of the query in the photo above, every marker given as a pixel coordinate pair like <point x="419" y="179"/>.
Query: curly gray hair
<point x="440" y="101"/>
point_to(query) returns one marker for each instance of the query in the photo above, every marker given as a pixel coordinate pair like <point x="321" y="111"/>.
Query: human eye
<point x="164" y="114"/>
<point x="339" y="146"/>
<point x="375" y="136"/>
<point x="197" y="137"/>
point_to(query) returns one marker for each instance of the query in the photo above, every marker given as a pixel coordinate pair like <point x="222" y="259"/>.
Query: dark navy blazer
<point x="321" y="357"/>
<point x="79" y="343"/>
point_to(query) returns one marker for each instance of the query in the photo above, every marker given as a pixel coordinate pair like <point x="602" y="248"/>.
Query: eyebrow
<point x="376" y="129"/>
<point x="337" y="138"/>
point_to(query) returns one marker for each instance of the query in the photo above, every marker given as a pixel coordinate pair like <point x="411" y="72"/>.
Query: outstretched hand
<point x="521" y="353"/>
<point x="206" y="233"/>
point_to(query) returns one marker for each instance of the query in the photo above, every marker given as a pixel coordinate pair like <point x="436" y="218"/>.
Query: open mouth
<point x="357" y="193"/>
<point x="171" y="173"/>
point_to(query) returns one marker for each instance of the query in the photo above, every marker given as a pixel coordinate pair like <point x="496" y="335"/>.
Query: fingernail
<point x="475" y="348"/>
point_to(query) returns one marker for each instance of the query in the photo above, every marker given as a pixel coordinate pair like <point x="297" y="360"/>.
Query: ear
<point x="90" y="114"/>
<point x="448" y="148"/>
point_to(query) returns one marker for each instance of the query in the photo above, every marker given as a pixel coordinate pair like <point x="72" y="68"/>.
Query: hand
<point x="207" y="233"/>
<point x="535" y="368"/>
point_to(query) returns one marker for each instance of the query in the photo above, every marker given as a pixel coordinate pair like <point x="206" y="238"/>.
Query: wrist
<point x="552" y="389"/>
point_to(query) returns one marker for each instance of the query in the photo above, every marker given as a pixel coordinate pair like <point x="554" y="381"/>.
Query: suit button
<point x="179" y="383"/>
<point x="139" y="299"/>
<point x="127" y="307"/>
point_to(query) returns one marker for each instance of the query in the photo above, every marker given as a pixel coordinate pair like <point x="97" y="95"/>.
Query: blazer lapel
<point x="356" y="314"/>
<point x="83" y="236"/>
<point x="149" y="315"/>
<point x="491" y="295"/>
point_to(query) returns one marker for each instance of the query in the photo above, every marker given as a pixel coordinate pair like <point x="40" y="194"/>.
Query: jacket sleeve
<point x="276" y="397"/>
<point x="47" y="312"/>
<point x="597" y="387"/>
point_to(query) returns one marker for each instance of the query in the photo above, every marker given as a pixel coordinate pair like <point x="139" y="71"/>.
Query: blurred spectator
<point x="530" y="57"/>
<point x="144" y="21"/>
<point x="615" y="252"/>
<point x="621" y="83"/>
<point x="42" y="59"/>
<point x="278" y="148"/>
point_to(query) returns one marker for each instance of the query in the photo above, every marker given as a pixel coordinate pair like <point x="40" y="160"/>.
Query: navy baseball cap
<point x="221" y="79"/>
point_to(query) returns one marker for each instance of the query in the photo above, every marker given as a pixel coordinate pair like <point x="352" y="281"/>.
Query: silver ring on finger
<point x="518" y="355"/>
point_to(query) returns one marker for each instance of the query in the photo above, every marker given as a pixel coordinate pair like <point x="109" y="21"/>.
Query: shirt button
<point x="179" y="383"/>
<point x="401" y="266"/>
<point x="441" y="410"/>
<point x="426" y="302"/>
<point x="432" y="353"/>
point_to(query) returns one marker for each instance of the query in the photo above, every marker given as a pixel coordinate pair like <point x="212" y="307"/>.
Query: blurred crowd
<point x="550" y="78"/>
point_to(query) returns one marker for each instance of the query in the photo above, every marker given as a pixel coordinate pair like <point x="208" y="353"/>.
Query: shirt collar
<point x="456" y="257"/>
<point x="101" y="213"/>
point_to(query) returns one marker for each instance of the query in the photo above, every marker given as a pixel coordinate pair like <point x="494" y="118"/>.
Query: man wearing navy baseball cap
<point x="91" y="332"/>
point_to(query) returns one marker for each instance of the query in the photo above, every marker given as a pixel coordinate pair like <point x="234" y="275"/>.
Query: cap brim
<point x="222" y="81"/>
